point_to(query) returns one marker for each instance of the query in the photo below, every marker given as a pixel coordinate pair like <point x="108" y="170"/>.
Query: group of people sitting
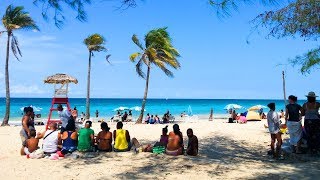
<point x="293" y="121"/>
<point x="126" y="117"/>
<point x="68" y="139"/>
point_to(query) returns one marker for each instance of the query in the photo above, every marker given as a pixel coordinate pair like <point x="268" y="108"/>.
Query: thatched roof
<point x="60" y="79"/>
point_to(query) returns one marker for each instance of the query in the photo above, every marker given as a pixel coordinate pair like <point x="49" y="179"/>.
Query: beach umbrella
<point x="136" y="108"/>
<point x="232" y="106"/>
<point x="121" y="108"/>
<point x="60" y="78"/>
<point x="257" y="107"/>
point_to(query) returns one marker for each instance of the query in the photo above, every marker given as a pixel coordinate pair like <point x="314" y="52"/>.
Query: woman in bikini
<point x="104" y="138"/>
<point x="175" y="142"/>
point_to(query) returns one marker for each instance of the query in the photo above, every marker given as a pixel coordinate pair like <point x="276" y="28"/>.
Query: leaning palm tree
<point x="94" y="43"/>
<point x="14" y="19"/>
<point x="158" y="51"/>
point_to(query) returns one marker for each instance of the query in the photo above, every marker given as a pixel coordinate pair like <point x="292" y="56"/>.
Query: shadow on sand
<point x="218" y="156"/>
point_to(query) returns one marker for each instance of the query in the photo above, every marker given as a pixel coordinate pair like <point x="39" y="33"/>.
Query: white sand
<point x="227" y="151"/>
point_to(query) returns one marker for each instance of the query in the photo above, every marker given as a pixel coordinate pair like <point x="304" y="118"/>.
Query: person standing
<point x="310" y="111"/>
<point x="27" y="125"/>
<point x="293" y="122"/>
<point x="97" y="113"/>
<point x="64" y="116"/>
<point x="274" y="129"/>
<point x="211" y="114"/>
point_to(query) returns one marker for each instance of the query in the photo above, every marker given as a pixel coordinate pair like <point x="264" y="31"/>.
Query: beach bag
<point x="158" y="150"/>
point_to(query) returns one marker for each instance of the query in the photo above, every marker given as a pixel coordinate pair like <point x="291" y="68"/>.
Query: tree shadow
<point x="218" y="156"/>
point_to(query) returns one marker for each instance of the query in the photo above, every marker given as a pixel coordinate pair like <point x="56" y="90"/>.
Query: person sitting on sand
<point x="175" y="142"/>
<point x="51" y="139"/>
<point x="147" y="119"/>
<point x="274" y="129"/>
<point x="192" y="149"/>
<point x="104" y="138"/>
<point x="86" y="138"/>
<point x="27" y="125"/>
<point x="121" y="139"/>
<point x="32" y="143"/>
<point x="69" y="138"/>
<point x="164" y="137"/>
<point x="125" y="116"/>
<point x="151" y="120"/>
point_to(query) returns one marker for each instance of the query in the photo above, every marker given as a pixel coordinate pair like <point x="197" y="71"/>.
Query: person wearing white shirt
<point x="274" y="129"/>
<point x="64" y="116"/>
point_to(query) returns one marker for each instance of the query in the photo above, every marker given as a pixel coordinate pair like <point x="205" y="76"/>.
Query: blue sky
<point x="215" y="58"/>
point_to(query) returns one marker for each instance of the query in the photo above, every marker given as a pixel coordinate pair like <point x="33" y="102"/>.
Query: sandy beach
<point x="226" y="151"/>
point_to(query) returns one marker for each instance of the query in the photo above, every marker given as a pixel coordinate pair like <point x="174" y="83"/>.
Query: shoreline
<point x="201" y="117"/>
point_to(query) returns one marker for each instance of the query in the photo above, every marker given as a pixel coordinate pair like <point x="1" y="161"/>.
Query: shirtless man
<point x="192" y="149"/>
<point x="32" y="143"/>
<point x="175" y="142"/>
<point x="27" y="125"/>
<point x="104" y="138"/>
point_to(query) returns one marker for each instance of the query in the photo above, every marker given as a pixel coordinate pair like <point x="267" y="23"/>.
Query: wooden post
<point x="284" y="88"/>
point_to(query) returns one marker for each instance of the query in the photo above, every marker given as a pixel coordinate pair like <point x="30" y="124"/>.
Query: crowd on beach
<point x="69" y="139"/>
<point x="304" y="136"/>
<point x="294" y="114"/>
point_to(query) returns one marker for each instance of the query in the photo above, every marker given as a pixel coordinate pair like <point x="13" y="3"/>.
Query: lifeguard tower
<point x="60" y="96"/>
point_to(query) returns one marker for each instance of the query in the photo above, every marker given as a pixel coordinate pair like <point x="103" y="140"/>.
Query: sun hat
<point x="311" y="94"/>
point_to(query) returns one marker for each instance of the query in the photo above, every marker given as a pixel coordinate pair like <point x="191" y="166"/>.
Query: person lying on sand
<point x="175" y="142"/>
<point x="192" y="149"/>
<point x="86" y="138"/>
<point x="31" y="144"/>
<point x="51" y="139"/>
<point x="104" y="138"/>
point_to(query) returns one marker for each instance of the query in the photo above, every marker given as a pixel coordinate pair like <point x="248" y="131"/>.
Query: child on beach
<point x="31" y="143"/>
<point x="274" y="129"/>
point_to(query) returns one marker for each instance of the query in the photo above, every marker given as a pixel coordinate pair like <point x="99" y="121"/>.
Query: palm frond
<point x="16" y="18"/>
<point x="134" y="56"/>
<point x="15" y="47"/>
<point x="139" y="69"/>
<point x="107" y="58"/>
<point x="162" y="66"/>
<point x="95" y="42"/>
<point x="136" y="41"/>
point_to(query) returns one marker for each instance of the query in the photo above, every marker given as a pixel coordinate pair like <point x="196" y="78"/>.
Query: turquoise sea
<point x="106" y="106"/>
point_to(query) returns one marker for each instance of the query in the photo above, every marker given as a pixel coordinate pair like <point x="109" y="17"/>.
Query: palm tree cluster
<point x="157" y="51"/>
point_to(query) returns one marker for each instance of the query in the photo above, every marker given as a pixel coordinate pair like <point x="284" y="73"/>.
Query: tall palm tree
<point x="15" y="18"/>
<point x="158" y="51"/>
<point x="94" y="43"/>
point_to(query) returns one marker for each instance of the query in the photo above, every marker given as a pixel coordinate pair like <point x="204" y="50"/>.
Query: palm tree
<point x="94" y="43"/>
<point x="13" y="19"/>
<point x="158" y="51"/>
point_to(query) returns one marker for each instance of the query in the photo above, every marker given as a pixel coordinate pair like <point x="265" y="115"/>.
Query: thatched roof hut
<point x="60" y="79"/>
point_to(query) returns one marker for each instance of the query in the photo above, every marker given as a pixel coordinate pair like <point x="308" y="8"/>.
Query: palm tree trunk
<point x="143" y="105"/>
<point x="7" y="114"/>
<point x="284" y="89"/>
<point x="88" y="89"/>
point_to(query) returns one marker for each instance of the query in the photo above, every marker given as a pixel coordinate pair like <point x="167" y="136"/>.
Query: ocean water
<point x="154" y="106"/>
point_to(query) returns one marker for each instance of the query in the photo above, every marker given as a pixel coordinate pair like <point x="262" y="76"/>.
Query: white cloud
<point x="26" y="89"/>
